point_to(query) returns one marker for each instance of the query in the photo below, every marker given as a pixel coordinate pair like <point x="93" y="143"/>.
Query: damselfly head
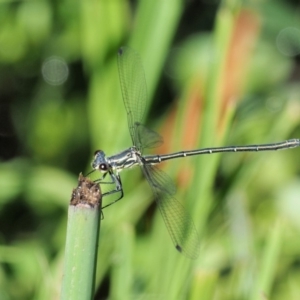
<point x="100" y="163"/>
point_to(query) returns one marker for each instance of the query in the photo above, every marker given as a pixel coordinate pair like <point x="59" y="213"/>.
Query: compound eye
<point x="103" y="167"/>
<point x="97" y="152"/>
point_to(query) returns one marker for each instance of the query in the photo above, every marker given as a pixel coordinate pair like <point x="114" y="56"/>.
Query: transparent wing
<point x="179" y="223"/>
<point x="159" y="180"/>
<point x="146" y="138"/>
<point x="134" y="91"/>
<point x="133" y="86"/>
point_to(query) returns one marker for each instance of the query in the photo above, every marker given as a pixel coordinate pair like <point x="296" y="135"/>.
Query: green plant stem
<point x="82" y="241"/>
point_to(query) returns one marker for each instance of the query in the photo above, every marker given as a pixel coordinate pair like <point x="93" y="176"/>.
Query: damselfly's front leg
<point x="115" y="179"/>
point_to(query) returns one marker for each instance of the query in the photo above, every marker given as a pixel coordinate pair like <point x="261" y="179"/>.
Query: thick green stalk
<point x="82" y="241"/>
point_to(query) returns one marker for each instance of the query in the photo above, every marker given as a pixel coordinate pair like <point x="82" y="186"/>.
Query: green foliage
<point x="233" y="85"/>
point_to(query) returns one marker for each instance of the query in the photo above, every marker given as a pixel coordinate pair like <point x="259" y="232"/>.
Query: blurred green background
<point x="218" y="73"/>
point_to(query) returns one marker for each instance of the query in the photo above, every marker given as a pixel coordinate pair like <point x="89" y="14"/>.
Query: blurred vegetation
<point x="218" y="73"/>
